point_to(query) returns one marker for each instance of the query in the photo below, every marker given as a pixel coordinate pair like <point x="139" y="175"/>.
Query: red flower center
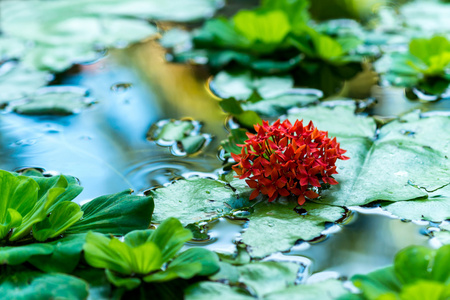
<point x="284" y="159"/>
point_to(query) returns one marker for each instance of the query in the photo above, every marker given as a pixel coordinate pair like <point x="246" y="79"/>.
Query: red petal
<point x="301" y="200"/>
<point x="254" y="194"/>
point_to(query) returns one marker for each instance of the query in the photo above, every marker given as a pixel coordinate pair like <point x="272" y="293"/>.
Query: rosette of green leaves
<point x="46" y="212"/>
<point x="149" y="256"/>
<point x="426" y="65"/>
<point x="271" y="39"/>
<point x="41" y="225"/>
<point x="418" y="273"/>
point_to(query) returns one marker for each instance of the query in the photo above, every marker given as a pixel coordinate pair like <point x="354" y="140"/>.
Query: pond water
<point x="106" y="148"/>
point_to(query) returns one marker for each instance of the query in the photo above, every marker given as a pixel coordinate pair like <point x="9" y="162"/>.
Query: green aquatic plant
<point x="149" y="256"/>
<point x="425" y="66"/>
<point x="418" y="273"/>
<point x="267" y="280"/>
<point x="27" y="208"/>
<point x="273" y="38"/>
<point x="183" y="135"/>
<point x="40" y="223"/>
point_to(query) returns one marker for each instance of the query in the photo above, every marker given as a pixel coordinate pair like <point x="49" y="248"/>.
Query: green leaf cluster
<point x="418" y="273"/>
<point x="149" y="256"/>
<point x="426" y="65"/>
<point x="41" y="206"/>
<point x="273" y="38"/>
<point x="41" y="225"/>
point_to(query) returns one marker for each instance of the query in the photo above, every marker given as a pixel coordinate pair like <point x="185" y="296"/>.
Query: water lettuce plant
<point x="283" y="159"/>
<point x="425" y="66"/>
<point x="149" y="256"/>
<point x="418" y="273"/>
<point x="273" y="38"/>
<point x="40" y="223"/>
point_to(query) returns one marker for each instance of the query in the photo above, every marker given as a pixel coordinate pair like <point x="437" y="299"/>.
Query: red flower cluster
<point x="283" y="159"/>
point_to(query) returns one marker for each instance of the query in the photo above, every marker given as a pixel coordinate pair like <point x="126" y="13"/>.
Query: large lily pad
<point x="194" y="200"/>
<point x="340" y="121"/>
<point x="277" y="226"/>
<point x="408" y="161"/>
<point x="435" y="208"/>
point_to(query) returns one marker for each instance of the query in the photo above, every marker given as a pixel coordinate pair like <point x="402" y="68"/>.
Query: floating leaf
<point x="18" y="82"/>
<point x="392" y="167"/>
<point x="55" y="100"/>
<point x="276" y="106"/>
<point x="183" y="135"/>
<point x="327" y="290"/>
<point x="11" y="48"/>
<point x="276" y="226"/>
<point x="194" y="200"/>
<point x="243" y="84"/>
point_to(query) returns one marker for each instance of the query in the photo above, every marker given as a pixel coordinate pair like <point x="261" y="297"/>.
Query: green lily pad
<point x="435" y="208"/>
<point x="277" y="227"/>
<point x="427" y="16"/>
<point x="55" y="100"/>
<point x="183" y="136"/>
<point x="194" y="200"/>
<point x="19" y="82"/>
<point x="20" y="283"/>
<point x="11" y="48"/>
<point x="276" y="106"/>
<point x="408" y="161"/>
<point x="255" y="276"/>
<point x="444" y="235"/>
<point x="177" y="11"/>
<point x="340" y="121"/>
<point x="243" y="84"/>
<point x="327" y="290"/>
<point x="57" y="58"/>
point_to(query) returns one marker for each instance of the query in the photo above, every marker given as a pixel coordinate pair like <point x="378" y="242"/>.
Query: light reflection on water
<point x="105" y="146"/>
